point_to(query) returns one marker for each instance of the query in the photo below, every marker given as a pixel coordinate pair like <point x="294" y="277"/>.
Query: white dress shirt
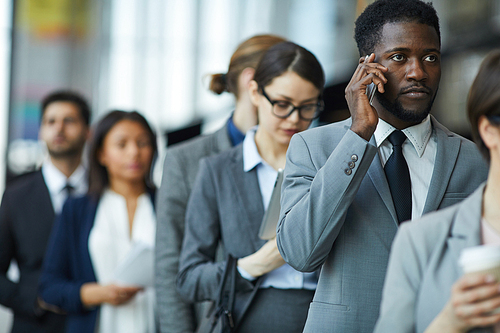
<point x="56" y="181"/>
<point x="284" y="277"/>
<point x="110" y="241"/>
<point x="419" y="151"/>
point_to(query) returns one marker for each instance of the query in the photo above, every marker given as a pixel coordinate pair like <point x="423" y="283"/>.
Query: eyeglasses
<point x="283" y="109"/>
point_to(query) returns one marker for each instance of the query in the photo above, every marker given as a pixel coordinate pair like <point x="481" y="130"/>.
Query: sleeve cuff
<point x="244" y="274"/>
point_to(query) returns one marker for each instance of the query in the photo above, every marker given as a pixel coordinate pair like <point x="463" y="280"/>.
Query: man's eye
<point x="431" y="58"/>
<point x="397" y="57"/>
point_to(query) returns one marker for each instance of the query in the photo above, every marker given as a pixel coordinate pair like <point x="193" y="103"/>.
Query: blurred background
<point x="154" y="56"/>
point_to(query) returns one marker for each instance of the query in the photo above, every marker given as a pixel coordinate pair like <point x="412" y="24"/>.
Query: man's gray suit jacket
<point x="337" y="214"/>
<point x="423" y="266"/>
<point x="179" y="173"/>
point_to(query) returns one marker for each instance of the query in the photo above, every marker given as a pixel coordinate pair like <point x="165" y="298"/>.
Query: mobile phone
<point x="370" y="91"/>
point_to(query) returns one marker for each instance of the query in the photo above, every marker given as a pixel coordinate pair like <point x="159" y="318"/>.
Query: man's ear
<point x="253" y="91"/>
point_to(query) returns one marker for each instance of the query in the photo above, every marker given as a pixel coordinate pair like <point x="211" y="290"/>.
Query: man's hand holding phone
<point x="364" y="116"/>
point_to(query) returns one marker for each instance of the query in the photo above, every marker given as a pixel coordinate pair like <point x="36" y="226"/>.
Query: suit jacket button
<point x="348" y="172"/>
<point x="351" y="165"/>
<point x="354" y="157"/>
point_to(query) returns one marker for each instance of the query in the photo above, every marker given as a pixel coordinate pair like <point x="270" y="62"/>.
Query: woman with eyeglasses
<point x="232" y="191"/>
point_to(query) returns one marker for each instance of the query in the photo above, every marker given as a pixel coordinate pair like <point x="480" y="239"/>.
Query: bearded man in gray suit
<point x="341" y="206"/>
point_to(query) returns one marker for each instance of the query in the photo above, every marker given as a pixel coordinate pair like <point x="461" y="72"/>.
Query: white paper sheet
<point x="138" y="267"/>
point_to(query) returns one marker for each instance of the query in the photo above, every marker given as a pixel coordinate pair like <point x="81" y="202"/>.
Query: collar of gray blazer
<point x="245" y="186"/>
<point x="466" y="227"/>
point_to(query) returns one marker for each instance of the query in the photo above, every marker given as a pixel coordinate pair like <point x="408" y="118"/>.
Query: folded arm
<point x="199" y="274"/>
<point x="316" y="196"/>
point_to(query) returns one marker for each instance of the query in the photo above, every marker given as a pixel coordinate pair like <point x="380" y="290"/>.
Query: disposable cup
<point x="482" y="259"/>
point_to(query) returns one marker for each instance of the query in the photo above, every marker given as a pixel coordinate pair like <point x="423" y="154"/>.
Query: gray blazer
<point x="424" y="265"/>
<point x="337" y="213"/>
<point x="179" y="173"/>
<point x="225" y="205"/>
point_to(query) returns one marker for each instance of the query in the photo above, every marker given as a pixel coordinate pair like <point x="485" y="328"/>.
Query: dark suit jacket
<point x="26" y="218"/>
<point x="67" y="264"/>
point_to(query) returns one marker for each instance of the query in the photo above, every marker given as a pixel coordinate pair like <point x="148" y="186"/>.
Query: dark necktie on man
<point x="70" y="189"/>
<point x="398" y="177"/>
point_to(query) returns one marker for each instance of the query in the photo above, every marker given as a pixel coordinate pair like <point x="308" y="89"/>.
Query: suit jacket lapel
<point x="42" y="195"/>
<point x="246" y="187"/>
<point x="377" y="176"/>
<point x="448" y="148"/>
<point x="466" y="228"/>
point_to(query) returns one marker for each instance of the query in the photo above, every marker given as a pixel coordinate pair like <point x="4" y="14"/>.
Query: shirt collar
<point x="234" y="133"/>
<point x="418" y="134"/>
<point x="251" y="156"/>
<point x="56" y="180"/>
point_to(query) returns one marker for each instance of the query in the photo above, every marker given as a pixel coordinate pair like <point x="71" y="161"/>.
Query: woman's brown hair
<point x="484" y="97"/>
<point x="247" y="55"/>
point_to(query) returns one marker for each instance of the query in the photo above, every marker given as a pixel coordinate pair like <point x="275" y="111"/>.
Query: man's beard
<point x="75" y="149"/>
<point x="397" y="110"/>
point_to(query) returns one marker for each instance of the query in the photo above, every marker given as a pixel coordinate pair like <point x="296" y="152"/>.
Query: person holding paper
<point x="425" y="289"/>
<point x="232" y="190"/>
<point x="98" y="233"/>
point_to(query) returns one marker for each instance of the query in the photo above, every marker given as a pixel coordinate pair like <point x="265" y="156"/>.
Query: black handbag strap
<point x="250" y="299"/>
<point x="227" y="294"/>
<point x="228" y="290"/>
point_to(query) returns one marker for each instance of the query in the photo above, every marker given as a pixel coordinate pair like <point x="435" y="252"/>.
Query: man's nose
<point x="59" y="126"/>
<point x="415" y="70"/>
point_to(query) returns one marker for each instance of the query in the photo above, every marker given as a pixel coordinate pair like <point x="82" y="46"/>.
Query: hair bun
<point x="218" y="83"/>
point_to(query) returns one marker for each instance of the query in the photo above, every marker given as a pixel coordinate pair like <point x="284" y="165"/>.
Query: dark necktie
<point x="70" y="189"/>
<point x="398" y="177"/>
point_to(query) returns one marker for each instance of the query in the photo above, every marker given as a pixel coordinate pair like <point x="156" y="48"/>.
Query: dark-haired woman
<point x="425" y="289"/>
<point x="233" y="189"/>
<point x="179" y="173"/>
<point x="95" y="233"/>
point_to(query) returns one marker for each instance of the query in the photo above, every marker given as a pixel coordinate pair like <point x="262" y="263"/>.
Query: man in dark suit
<point x="29" y="206"/>
<point x="349" y="185"/>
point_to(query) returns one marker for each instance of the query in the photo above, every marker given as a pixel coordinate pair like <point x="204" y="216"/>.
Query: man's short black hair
<point x="68" y="96"/>
<point x="368" y="31"/>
